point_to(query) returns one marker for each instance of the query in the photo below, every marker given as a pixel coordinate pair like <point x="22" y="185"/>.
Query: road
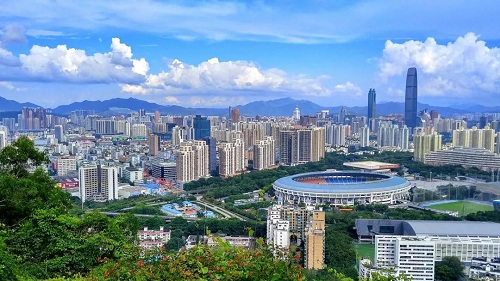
<point x="222" y="211"/>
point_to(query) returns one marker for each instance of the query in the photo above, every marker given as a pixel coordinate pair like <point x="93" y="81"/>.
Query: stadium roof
<point x="384" y="183"/>
<point x="371" y="227"/>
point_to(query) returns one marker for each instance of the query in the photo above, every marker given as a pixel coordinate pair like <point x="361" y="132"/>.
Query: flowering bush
<point x="201" y="263"/>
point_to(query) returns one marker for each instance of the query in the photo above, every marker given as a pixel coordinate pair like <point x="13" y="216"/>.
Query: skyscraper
<point x="372" y="106"/>
<point x="201" y="127"/>
<point x="411" y="98"/>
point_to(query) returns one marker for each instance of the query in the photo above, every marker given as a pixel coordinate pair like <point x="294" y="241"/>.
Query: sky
<point x="224" y="53"/>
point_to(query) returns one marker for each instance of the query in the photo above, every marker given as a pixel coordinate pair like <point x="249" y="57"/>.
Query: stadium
<point x="342" y="188"/>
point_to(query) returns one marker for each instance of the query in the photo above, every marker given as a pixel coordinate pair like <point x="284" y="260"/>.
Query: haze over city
<point x="223" y="53"/>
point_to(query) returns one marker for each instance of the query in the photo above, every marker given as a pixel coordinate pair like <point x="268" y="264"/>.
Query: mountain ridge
<point x="277" y="107"/>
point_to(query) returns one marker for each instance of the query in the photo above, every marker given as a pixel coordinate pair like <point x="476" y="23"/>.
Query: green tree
<point x="24" y="187"/>
<point x="449" y="269"/>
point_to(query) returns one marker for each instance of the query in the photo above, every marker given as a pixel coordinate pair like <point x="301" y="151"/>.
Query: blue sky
<point x="221" y="53"/>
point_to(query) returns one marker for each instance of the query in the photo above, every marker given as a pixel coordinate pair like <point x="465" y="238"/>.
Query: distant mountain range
<point x="278" y="107"/>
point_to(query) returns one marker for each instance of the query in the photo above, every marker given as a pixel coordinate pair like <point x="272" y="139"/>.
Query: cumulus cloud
<point x="70" y="65"/>
<point x="463" y="67"/>
<point x="172" y="100"/>
<point x="348" y="88"/>
<point x="228" y="76"/>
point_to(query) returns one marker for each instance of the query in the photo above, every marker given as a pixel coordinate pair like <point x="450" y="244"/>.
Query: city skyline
<point x="219" y="54"/>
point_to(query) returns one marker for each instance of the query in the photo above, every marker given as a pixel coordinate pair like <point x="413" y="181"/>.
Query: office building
<point x="164" y="170"/>
<point x="235" y="115"/>
<point x="132" y="174"/>
<point x="411" y="98"/>
<point x="424" y="144"/>
<point x="372" y="107"/>
<point x="201" y="126"/>
<point x="59" y="133"/>
<point x="413" y="247"/>
<point x="98" y="183"/>
<point x="342" y="115"/>
<point x="212" y="153"/>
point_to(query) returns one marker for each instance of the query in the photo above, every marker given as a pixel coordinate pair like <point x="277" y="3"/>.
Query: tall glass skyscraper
<point x="411" y="98"/>
<point x="201" y="127"/>
<point x="372" y="107"/>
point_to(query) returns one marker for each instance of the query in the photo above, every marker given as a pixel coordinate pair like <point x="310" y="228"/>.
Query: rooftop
<point x="371" y="165"/>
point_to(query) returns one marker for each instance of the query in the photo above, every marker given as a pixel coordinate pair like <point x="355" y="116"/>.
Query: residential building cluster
<point x="304" y="227"/>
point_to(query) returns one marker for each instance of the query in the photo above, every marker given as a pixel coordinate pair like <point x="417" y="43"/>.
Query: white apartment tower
<point x="364" y="136"/>
<point x="232" y="157"/>
<point x="139" y="130"/>
<point x="98" y="183"/>
<point x="263" y="154"/>
<point x="185" y="164"/>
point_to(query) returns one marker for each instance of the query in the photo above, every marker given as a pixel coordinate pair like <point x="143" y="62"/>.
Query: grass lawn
<point x="463" y="207"/>
<point x="365" y="250"/>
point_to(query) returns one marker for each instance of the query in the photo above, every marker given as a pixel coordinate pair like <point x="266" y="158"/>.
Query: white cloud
<point x="70" y="65"/>
<point x="464" y="67"/>
<point x="227" y="77"/>
<point x="348" y="88"/>
<point x="172" y="100"/>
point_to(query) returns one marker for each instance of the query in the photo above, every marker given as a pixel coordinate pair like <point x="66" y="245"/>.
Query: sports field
<point x="365" y="250"/>
<point x="462" y="207"/>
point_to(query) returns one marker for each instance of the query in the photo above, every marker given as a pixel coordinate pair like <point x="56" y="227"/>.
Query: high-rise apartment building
<point x="315" y="241"/>
<point x="123" y="127"/>
<point x="232" y="157"/>
<point x="411" y="98"/>
<point x="154" y="145"/>
<point x="264" y="154"/>
<point x="301" y="145"/>
<point x="364" y="136"/>
<point x="3" y="139"/>
<point x="307" y="225"/>
<point x="139" y="130"/>
<point x="372" y="107"/>
<point x="192" y="161"/>
<point x="425" y="143"/>
<point x="474" y="138"/>
<point x="185" y="163"/>
<point x="98" y="183"/>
